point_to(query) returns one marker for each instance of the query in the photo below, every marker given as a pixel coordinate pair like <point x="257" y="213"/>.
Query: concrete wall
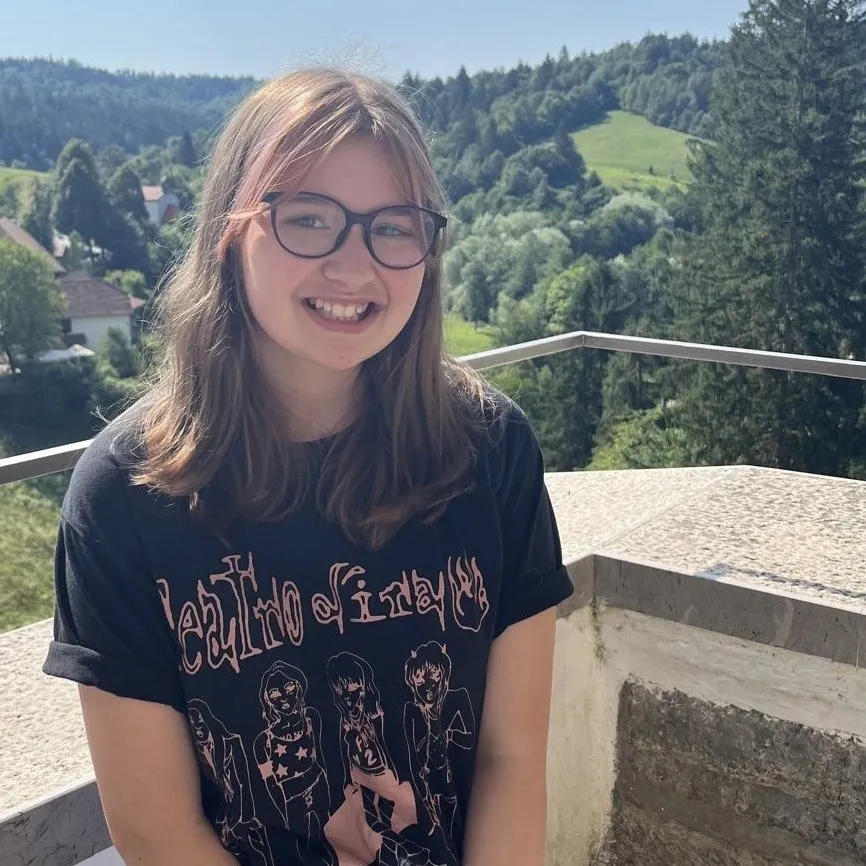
<point x="675" y="744"/>
<point x="698" y="782"/>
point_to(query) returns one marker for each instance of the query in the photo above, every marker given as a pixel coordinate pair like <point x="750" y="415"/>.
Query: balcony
<point x="709" y="704"/>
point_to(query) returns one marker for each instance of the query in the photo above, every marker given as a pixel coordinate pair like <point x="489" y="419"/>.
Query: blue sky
<point x="262" y="37"/>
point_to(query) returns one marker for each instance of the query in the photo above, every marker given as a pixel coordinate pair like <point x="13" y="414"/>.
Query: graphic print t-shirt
<point x="333" y="694"/>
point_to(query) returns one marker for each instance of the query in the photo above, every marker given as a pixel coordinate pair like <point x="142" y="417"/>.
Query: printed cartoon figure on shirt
<point x="435" y="721"/>
<point x="222" y="756"/>
<point x="377" y="805"/>
<point x="288" y="753"/>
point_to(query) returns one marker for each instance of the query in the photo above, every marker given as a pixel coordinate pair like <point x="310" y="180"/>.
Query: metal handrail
<point x="837" y="367"/>
<point x="64" y="457"/>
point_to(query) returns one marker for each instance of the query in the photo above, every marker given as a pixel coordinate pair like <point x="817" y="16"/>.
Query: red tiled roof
<point x="152" y="193"/>
<point x="13" y="232"/>
<point x="88" y="296"/>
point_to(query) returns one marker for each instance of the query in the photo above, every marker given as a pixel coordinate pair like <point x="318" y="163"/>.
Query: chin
<point x="344" y="364"/>
<point x="339" y="359"/>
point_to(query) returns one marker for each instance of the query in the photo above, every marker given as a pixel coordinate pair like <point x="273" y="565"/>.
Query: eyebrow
<point x="306" y="195"/>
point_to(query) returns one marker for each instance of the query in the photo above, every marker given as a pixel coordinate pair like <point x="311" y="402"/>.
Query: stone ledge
<point x="759" y="615"/>
<point x="700" y="777"/>
<point x="60" y="830"/>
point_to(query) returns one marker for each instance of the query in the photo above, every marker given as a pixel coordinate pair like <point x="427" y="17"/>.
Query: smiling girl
<point x="310" y="500"/>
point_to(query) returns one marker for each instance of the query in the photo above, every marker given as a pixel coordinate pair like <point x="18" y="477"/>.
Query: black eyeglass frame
<point x="365" y="220"/>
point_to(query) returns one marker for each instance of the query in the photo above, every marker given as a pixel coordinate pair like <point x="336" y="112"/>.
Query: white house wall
<point x="95" y="328"/>
<point x="153" y="213"/>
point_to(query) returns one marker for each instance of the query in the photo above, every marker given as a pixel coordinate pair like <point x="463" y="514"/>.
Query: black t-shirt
<point x="334" y="694"/>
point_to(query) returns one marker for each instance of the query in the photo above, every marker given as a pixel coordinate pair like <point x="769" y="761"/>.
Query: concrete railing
<point x="646" y="639"/>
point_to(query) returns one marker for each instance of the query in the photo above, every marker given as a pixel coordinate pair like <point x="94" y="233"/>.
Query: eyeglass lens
<point x="401" y="236"/>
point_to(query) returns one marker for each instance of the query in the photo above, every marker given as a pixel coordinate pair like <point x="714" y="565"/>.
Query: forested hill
<point x="44" y="103"/>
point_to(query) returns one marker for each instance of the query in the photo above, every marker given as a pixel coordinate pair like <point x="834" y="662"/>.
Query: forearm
<point x="507" y="815"/>
<point x="197" y="845"/>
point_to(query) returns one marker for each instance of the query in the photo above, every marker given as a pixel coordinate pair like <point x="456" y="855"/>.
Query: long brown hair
<point x="209" y="426"/>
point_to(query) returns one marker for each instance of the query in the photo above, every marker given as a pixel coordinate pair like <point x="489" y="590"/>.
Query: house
<point x="94" y="306"/>
<point x="162" y="206"/>
<point x="12" y="231"/>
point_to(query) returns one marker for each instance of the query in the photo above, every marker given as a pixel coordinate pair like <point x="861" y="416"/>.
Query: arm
<point x="508" y="805"/>
<point x="148" y="782"/>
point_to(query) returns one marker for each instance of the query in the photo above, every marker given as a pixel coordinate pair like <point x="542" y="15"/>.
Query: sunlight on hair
<point x="357" y="54"/>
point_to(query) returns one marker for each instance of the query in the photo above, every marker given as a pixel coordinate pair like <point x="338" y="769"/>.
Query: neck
<point x="316" y="403"/>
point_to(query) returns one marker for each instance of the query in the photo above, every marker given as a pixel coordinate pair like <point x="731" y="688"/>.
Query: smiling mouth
<point x="340" y="312"/>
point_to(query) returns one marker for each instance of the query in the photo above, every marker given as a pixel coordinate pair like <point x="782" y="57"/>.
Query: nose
<point x="351" y="265"/>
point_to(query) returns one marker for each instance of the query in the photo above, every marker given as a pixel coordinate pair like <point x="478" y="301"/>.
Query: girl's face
<point x="290" y="296"/>
<point x="284" y="694"/>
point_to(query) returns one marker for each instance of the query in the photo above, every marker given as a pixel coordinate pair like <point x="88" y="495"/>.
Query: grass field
<point x="29" y="514"/>
<point x="629" y="153"/>
<point x="462" y="338"/>
<point x="16" y="175"/>
<point x="28" y="528"/>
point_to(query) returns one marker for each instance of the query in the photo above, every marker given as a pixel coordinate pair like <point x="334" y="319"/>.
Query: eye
<point x="390" y="230"/>
<point x="307" y="221"/>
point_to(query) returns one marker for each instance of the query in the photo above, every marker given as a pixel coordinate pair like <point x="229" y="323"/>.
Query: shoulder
<point x="492" y="416"/>
<point x="502" y="434"/>
<point x="101" y="485"/>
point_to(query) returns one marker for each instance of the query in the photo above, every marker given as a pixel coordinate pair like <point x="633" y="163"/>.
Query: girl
<point x="309" y="492"/>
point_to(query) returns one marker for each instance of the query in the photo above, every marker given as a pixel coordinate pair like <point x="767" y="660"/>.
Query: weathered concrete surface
<point x="743" y="611"/>
<point x="33" y="705"/>
<point x="665" y="843"/>
<point x="580" y="750"/>
<point x="597" y="654"/>
<point x="780" y="531"/>
<point x="698" y="782"/>
<point x="60" y="831"/>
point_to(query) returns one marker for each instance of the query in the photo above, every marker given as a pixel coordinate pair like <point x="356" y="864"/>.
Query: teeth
<point x="344" y="312"/>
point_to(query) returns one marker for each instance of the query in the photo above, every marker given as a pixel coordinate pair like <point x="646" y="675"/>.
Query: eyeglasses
<point x="312" y="226"/>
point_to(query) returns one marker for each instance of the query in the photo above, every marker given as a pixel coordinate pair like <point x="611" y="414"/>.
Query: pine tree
<point x="587" y="296"/>
<point x="124" y="190"/>
<point x="781" y="264"/>
<point x="78" y="149"/>
<point x="81" y="204"/>
<point x="36" y="216"/>
<point x="125" y="239"/>
<point x="186" y="153"/>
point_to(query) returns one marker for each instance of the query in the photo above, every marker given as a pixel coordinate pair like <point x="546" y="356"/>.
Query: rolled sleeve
<point x="110" y="630"/>
<point x="534" y="577"/>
